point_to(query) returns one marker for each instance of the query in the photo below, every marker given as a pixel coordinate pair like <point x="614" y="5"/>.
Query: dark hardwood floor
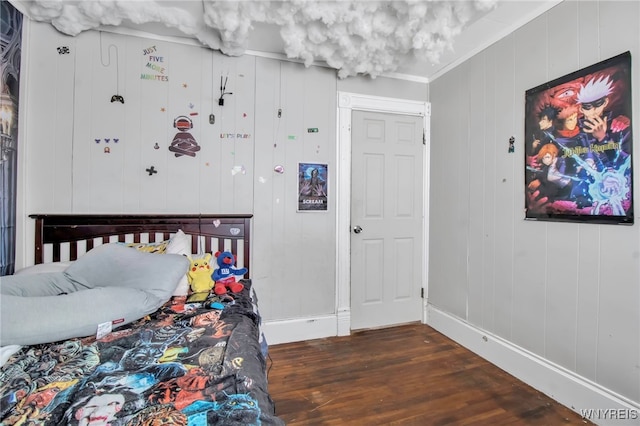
<point x="405" y="375"/>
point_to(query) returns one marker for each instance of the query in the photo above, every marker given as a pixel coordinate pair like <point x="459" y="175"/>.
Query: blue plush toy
<point x="225" y="275"/>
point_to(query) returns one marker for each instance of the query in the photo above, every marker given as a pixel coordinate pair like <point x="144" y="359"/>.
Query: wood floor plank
<point x="405" y="375"/>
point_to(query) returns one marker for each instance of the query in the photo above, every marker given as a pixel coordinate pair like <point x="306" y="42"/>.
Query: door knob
<point x="357" y="229"/>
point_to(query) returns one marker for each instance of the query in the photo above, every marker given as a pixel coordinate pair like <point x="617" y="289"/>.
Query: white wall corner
<point x="575" y="392"/>
<point x="425" y="310"/>
<point x="344" y="322"/>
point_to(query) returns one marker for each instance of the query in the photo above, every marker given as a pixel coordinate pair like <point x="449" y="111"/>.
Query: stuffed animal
<point x="225" y="275"/>
<point x="199" y="274"/>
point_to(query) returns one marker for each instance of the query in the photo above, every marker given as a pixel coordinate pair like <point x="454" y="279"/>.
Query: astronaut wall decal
<point x="183" y="142"/>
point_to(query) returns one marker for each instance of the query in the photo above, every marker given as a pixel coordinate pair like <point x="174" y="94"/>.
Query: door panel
<point x="374" y="271"/>
<point x="373" y="185"/>
<point x="386" y="202"/>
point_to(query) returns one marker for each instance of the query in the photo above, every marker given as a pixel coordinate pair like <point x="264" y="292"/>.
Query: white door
<point x="386" y="219"/>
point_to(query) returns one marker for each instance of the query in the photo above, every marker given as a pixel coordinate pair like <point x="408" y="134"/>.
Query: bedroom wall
<point x="83" y="153"/>
<point x="564" y="295"/>
<point x="68" y="117"/>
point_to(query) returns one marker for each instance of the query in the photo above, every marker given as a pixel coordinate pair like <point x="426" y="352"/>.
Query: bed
<point x="183" y="364"/>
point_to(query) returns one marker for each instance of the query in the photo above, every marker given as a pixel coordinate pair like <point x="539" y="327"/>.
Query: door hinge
<point x="424" y="138"/>
<point x="422" y="293"/>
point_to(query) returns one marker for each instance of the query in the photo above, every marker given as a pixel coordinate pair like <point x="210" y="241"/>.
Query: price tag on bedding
<point x="104" y="329"/>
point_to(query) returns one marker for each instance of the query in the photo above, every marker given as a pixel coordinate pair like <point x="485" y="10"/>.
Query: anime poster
<point x="578" y="146"/>
<point x="312" y="187"/>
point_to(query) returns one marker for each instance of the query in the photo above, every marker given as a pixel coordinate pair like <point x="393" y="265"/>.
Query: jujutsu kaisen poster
<point x="578" y="146"/>
<point x="312" y="187"/>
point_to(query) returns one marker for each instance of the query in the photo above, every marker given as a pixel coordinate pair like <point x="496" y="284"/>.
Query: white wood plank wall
<point x="567" y="293"/>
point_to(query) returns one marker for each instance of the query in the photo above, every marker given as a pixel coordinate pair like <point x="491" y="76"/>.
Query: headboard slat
<point x="56" y="252"/>
<point x="73" y="250"/>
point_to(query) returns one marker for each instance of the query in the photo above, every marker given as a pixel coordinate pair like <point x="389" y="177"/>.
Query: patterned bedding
<point x="186" y="364"/>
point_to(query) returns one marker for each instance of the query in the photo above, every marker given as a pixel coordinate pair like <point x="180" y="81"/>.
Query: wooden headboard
<point x="68" y="235"/>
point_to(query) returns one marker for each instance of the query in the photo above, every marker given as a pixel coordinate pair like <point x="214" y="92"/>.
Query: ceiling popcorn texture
<point x="354" y="37"/>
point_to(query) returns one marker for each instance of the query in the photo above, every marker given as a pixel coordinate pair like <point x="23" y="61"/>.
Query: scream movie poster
<point x="578" y="146"/>
<point x="312" y="187"/>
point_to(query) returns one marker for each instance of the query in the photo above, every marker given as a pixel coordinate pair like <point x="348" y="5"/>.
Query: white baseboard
<point x="298" y="329"/>
<point x="564" y="386"/>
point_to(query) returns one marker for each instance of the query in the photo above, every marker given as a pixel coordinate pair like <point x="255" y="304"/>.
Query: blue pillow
<point x="110" y="283"/>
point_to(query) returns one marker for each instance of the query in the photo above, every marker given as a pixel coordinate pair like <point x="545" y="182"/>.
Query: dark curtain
<point x="10" y="43"/>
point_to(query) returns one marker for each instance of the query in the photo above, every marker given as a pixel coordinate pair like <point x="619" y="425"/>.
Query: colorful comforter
<point x="186" y="364"/>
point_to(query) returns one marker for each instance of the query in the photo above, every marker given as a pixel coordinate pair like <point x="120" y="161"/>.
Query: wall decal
<point x="149" y="50"/>
<point x="235" y="135"/>
<point x="312" y="130"/>
<point x="278" y="169"/>
<point x="154" y="65"/>
<point x="156" y="146"/>
<point x="117" y="97"/>
<point x="183" y="142"/>
<point x="107" y="140"/>
<point x="163" y="109"/>
<point x="578" y="164"/>
<point x="107" y="150"/>
<point x="238" y="169"/>
<point x="63" y="50"/>
<point x="151" y="170"/>
<point x="511" y="146"/>
<point x="223" y="88"/>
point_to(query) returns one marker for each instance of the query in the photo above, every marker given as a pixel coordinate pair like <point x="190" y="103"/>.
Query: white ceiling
<point x="266" y="39"/>
<point x="480" y="34"/>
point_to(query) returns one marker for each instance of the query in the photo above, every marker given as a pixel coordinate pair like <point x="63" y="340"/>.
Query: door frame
<point x="347" y="103"/>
